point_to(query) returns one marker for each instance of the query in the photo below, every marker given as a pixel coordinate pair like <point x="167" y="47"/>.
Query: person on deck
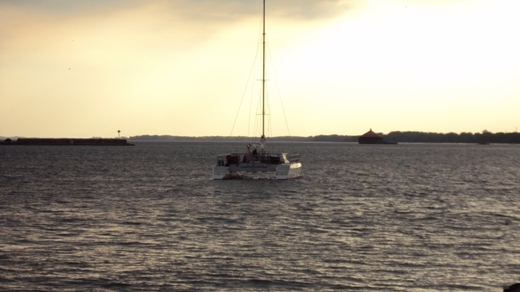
<point x="248" y="157"/>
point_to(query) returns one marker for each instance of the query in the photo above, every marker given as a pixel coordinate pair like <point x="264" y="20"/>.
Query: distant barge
<point x="67" y="142"/>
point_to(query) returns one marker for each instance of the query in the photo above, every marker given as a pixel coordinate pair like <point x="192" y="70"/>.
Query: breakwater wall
<point x="67" y="142"/>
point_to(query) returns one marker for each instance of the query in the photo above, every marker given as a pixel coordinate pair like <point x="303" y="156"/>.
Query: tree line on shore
<point x="396" y="136"/>
<point x="465" y="137"/>
<point x="428" y="137"/>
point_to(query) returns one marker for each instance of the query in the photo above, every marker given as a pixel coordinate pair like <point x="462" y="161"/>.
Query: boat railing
<point x="237" y="158"/>
<point x="294" y="157"/>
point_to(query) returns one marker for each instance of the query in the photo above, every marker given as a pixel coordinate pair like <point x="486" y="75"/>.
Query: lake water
<point x="407" y="217"/>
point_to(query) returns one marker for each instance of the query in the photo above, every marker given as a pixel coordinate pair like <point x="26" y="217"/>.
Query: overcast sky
<point x="90" y="68"/>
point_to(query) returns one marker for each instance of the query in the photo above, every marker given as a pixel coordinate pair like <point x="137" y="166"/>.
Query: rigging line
<point x="245" y="89"/>
<point x="258" y="113"/>
<point x="263" y="112"/>
<point x="252" y="117"/>
<point x="268" y="113"/>
<point x="278" y="87"/>
<point x="250" y="109"/>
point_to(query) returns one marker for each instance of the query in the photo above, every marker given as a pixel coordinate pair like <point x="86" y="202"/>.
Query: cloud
<point x="310" y="10"/>
<point x="64" y="7"/>
<point x="189" y="20"/>
<point x="199" y="10"/>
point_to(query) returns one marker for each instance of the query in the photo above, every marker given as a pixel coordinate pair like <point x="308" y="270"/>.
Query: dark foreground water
<point x="408" y="217"/>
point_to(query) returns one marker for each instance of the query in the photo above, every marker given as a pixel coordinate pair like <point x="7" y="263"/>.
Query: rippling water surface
<point x="408" y="217"/>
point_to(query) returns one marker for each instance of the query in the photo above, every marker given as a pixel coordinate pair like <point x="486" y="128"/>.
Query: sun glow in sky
<point x="90" y="68"/>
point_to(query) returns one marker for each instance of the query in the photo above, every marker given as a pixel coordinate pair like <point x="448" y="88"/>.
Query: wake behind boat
<point x="257" y="160"/>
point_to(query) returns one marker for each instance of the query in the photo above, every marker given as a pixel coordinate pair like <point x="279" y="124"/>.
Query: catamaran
<point x="257" y="160"/>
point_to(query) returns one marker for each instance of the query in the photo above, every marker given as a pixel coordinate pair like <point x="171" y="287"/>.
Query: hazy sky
<point x="180" y="67"/>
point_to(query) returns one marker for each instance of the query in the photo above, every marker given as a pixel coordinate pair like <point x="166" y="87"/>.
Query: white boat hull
<point x="281" y="171"/>
<point x="221" y="172"/>
<point x="288" y="171"/>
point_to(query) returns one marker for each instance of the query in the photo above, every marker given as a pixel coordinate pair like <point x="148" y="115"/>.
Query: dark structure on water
<point x="67" y="142"/>
<point x="372" y="138"/>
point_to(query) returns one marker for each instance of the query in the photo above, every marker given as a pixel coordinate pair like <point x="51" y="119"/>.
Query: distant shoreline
<point x="393" y="137"/>
<point x="407" y="137"/>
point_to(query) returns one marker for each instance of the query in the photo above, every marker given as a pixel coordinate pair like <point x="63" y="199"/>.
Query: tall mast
<point x="263" y="75"/>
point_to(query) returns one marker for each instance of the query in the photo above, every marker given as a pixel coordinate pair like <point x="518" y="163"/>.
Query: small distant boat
<point x="257" y="161"/>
